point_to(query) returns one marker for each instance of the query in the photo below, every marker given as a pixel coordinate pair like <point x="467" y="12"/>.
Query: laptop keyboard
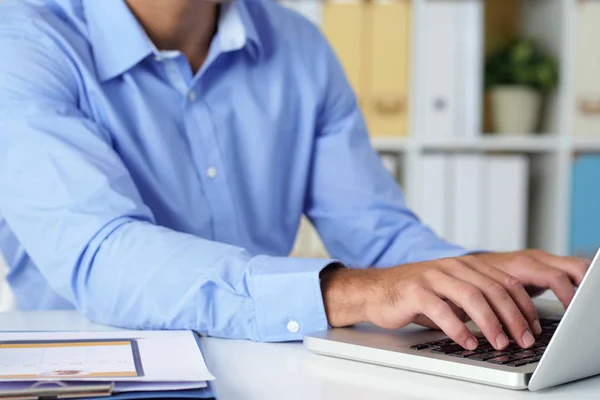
<point x="512" y="356"/>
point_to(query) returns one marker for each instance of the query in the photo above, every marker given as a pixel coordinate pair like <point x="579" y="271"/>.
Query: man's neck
<point x="185" y="25"/>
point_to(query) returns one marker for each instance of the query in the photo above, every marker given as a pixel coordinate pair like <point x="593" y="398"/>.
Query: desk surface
<point x="261" y="371"/>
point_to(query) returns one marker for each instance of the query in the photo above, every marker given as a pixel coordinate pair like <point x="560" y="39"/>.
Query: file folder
<point x="343" y="25"/>
<point x="97" y="391"/>
<point x="387" y="109"/>
<point x="173" y="359"/>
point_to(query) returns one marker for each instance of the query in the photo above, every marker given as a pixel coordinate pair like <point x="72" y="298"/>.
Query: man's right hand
<point x="434" y="294"/>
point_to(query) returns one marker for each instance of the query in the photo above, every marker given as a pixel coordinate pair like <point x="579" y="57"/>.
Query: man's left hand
<point x="538" y="271"/>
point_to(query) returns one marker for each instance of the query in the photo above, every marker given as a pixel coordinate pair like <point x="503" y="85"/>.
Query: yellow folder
<point x="387" y="100"/>
<point x="343" y="25"/>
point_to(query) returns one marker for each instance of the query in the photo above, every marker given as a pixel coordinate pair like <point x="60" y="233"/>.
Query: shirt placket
<point x="202" y="138"/>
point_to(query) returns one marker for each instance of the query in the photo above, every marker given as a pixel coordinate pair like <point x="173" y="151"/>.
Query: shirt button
<point x="293" y="327"/>
<point x="192" y="96"/>
<point x="211" y="172"/>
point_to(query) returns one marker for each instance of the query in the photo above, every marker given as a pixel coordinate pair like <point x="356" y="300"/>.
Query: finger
<point x="470" y="299"/>
<point x="536" y="273"/>
<point x="500" y="300"/>
<point x="441" y="314"/>
<point x="574" y="267"/>
<point x="515" y="288"/>
<point x="425" y="321"/>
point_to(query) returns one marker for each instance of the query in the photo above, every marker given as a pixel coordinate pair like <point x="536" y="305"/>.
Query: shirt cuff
<point x="287" y="297"/>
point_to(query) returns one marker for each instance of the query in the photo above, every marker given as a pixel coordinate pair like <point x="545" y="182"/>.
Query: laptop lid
<point x="574" y="350"/>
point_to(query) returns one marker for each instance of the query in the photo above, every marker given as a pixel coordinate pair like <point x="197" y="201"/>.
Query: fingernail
<point x="501" y="341"/>
<point x="528" y="339"/>
<point x="471" y="343"/>
<point x="537" y="328"/>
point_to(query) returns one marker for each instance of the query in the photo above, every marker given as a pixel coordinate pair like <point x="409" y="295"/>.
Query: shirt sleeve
<point x="75" y="209"/>
<point x="355" y="204"/>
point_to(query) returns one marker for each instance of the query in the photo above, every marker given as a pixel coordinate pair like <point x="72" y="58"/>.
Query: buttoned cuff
<point x="287" y="297"/>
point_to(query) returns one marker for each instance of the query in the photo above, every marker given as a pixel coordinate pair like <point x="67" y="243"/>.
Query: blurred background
<point x="486" y="111"/>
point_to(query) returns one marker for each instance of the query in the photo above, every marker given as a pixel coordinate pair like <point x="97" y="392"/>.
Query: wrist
<point x="344" y="295"/>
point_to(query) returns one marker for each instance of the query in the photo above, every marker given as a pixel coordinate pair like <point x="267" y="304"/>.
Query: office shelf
<point x="395" y="144"/>
<point x="586" y="143"/>
<point x="512" y="143"/>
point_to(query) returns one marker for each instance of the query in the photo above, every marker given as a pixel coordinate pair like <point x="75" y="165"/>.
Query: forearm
<point x="148" y="277"/>
<point x="345" y="293"/>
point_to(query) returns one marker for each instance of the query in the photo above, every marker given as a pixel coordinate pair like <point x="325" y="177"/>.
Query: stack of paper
<point x="126" y="360"/>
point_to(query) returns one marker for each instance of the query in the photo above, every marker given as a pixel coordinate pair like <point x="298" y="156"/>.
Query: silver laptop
<point x="568" y="350"/>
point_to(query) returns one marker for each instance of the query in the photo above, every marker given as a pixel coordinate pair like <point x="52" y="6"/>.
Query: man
<point x="156" y="157"/>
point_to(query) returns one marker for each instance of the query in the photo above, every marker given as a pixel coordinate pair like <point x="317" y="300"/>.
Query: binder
<point x="506" y="209"/>
<point x="434" y="193"/>
<point x="587" y="64"/>
<point x="470" y="48"/>
<point x="453" y="67"/>
<point x="467" y="201"/>
<point x="344" y="27"/>
<point x="585" y="197"/>
<point x="440" y="67"/>
<point x="389" y="42"/>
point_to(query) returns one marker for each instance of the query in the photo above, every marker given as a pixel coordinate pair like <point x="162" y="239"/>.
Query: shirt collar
<point x="236" y="20"/>
<point x="119" y="41"/>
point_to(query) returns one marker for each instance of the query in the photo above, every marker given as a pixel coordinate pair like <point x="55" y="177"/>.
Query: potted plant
<point x="517" y="77"/>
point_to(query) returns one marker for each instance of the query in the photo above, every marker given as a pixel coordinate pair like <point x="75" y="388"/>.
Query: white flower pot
<point x="515" y="109"/>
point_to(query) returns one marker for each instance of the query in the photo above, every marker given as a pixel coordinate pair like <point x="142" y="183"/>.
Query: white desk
<point x="248" y="370"/>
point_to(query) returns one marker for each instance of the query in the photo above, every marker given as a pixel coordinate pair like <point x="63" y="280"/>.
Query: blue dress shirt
<point x="147" y="196"/>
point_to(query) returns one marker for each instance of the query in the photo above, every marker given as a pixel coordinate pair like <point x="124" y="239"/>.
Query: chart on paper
<point x="70" y="359"/>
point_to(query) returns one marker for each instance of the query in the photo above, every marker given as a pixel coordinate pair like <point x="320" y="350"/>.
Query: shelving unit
<point x="513" y="143"/>
<point x="553" y="24"/>
<point x="586" y="144"/>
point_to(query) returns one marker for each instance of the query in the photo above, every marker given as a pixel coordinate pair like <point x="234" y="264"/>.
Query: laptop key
<point x="513" y="348"/>
<point x="502" y="360"/>
<point x="481" y="357"/>
<point x="531" y="360"/>
<point x="420" y="346"/>
<point x="438" y="343"/>
<point x="547" y="321"/>
<point x="447" y="349"/>
<point x="524" y="354"/>
<point x="464" y="353"/>
<point x="518" y="363"/>
<point x="497" y="353"/>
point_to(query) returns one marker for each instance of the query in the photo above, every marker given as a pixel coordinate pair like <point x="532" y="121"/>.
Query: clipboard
<point x="55" y="390"/>
<point x="99" y="391"/>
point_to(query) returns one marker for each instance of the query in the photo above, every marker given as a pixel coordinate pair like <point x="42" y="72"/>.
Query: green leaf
<point x="521" y="62"/>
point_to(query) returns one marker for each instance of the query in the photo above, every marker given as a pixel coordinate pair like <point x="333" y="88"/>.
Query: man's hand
<point x="489" y="288"/>
<point x="538" y="271"/>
